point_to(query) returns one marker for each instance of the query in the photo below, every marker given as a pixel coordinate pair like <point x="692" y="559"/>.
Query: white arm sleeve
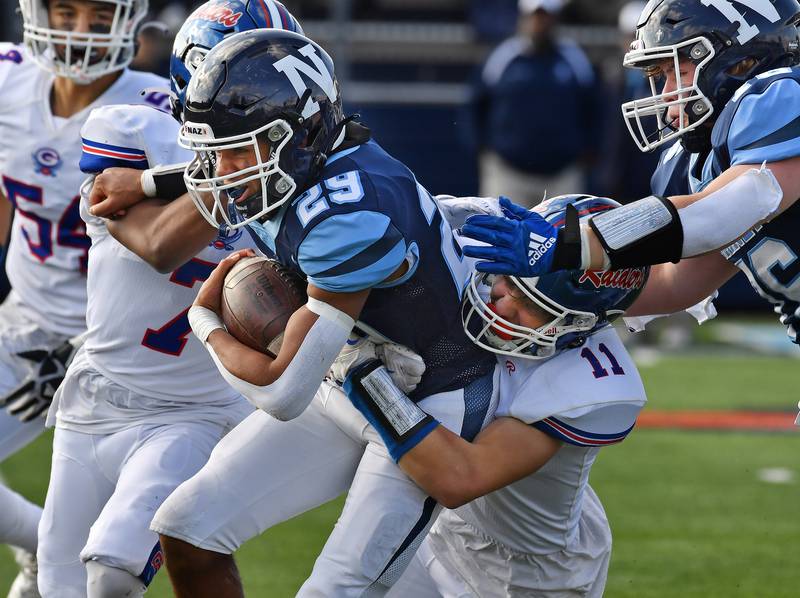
<point x="721" y="217"/>
<point x="291" y="393"/>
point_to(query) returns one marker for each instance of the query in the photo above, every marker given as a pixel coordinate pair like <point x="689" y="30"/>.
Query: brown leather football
<point x="258" y="298"/>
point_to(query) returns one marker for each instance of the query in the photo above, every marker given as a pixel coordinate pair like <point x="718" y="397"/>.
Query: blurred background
<point x="523" y="98"/>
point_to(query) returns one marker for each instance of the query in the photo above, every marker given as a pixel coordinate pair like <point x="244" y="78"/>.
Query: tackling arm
<point x="454" y="471"/>
<point x="650" y="231"/>
<point x="674" y="287"/>
<point x="164" y="234"/>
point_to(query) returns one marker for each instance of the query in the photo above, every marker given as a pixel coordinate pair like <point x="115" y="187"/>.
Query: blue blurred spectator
<point x="624" y="171"/>
<point x="534" y="111"/>
<point x="493" y="20"/>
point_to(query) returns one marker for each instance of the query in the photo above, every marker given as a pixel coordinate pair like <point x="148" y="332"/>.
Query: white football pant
<point x="266" y="471"/>
<point x="18" y="516"/>
<point x="104" y="489"/>
<point x="458" y="561"/>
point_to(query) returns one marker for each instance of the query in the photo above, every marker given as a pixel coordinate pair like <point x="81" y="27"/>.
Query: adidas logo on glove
<point x="538" y="246"/>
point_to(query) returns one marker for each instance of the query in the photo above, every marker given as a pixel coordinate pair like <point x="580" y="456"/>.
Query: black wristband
<point x="648" y="243"/>
<point x="169" y="185"/>
<point x="567" y="254"/>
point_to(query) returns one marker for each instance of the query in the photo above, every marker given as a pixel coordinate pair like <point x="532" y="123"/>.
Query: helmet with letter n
<point x="729" y="41"/>
<point x="208" y="25"/>
<point x="260" y="89"/>
<point x="573" y="304"/>
<point x="83" y="57"/>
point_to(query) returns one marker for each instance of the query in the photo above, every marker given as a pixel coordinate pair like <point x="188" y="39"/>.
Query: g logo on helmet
<point x="746" y="30"/>
<point x="292" y="66"/>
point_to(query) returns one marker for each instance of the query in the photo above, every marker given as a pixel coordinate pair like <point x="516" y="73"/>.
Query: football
<point x="258" y="298"/>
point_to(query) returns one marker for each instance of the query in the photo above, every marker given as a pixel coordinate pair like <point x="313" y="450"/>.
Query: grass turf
<point x="689" y="514"/>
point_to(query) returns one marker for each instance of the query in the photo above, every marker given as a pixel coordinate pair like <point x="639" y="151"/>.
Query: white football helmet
<point x="82" y="57"/>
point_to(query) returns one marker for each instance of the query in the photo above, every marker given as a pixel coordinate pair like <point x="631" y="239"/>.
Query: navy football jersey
<point x="364" y="219"/>
<point x="760" y="124"/>
<point x="670" y="176"/>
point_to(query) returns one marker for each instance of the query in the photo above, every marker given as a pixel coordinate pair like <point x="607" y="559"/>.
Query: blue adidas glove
<point x="523" y="243"/>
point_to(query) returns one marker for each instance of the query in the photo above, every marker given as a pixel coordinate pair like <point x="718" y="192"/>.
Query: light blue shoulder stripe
<point x="766" y="125"/>
<point x="370" y="276"/>
<point x="352" y="251"/>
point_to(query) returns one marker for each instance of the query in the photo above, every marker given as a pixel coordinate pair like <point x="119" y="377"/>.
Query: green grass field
<point x="689" y="513"/>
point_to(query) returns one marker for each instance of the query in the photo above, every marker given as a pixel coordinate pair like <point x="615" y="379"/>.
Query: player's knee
<point x="104" y="581"/>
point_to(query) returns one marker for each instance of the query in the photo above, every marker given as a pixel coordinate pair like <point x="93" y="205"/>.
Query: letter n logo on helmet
<point x="746" y="30"/>
<point x="292" y="67"/>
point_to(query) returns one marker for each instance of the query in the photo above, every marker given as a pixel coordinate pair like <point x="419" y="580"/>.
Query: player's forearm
<point x="672" y="288"/>
<point x="283" y="387"/>
<point x="241" y="361"/>
<point x="442" y="465"/>
<point x="656" y="230"/>
<point x="455" y="471"/>
<point x="164" y="234"/>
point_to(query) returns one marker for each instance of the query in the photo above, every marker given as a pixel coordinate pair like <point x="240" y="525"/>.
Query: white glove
<point x="457" y="209"/>
<point x="404" y="366"/>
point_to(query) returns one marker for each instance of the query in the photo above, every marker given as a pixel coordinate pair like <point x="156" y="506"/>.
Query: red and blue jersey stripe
<point x="97" y="156"/>
<point x="575" y="436"/>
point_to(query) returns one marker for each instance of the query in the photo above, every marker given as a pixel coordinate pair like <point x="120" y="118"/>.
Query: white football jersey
<point x="587" y="397"/>
<point x="139" y="334"/>
<point x="39" y="155"/>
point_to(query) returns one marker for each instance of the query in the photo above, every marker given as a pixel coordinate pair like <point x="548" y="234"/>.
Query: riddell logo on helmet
<point x="218" y="13"/>
<point x="627" y="278"/>
<point x="538" y="246"/>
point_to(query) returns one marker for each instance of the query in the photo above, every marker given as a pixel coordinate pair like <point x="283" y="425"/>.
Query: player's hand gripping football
<point x="34" y="395"/>
<point x="404" y="366"/>
<point x="520" y="244"/>
<point x="210" y="294"/>
<point x="114" y="191"/>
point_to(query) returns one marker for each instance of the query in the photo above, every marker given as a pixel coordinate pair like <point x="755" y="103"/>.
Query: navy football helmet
<point x="578" y="303"/>
<point x="268" y="86"/>
<point x="208" y="25"/>
<point x="730" y="41"/>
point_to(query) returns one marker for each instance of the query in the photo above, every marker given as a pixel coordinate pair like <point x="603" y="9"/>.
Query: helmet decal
<point x="292" y="66"/>
<point x="730" y="12"/>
